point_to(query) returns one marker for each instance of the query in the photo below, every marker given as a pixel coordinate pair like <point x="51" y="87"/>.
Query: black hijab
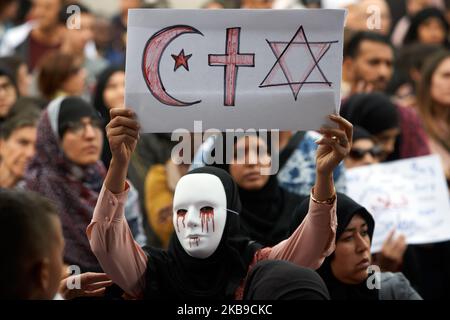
<point x="173" y="274"/>
<point x="346" y="210"/>
<point x="361" y="133"/>
<point x="267" y="213"/>
<point x="282" y="280"/>
<point x="100" y="105"/>
<point x="373" y="111"/>
<point x="422" y="16"/>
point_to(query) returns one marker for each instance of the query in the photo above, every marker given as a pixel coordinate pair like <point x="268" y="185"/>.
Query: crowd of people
<point x="86" y="198"/>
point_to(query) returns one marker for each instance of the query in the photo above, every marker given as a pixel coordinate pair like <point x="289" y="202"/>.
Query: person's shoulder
<point x="393" y="278"/>
<point x="395" y="286"/>
<point x="16" y="35"/>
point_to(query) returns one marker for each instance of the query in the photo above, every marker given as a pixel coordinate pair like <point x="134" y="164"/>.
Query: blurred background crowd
<point x="396" y="93"/>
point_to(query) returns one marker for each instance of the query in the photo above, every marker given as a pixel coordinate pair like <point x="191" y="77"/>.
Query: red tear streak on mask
<point x="206" y="216"/>
<point x="182" y="221"/>
<point x="195" y="241"/>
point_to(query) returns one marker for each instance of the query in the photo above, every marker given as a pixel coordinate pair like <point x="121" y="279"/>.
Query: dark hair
<point x="12" y="63"/>
<point x="351" y="49"/>
<point x="420" y="18"/>
<point x="25" y="238"/>
<point x="26" y="103"/>
<point x="55" y="69"/>
<point x="5" y="71"/>
<point x="27" y="118"/>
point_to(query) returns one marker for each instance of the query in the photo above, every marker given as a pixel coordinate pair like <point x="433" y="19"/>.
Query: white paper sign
<point x="409" y="196"/>
<point x="262" y="69"/>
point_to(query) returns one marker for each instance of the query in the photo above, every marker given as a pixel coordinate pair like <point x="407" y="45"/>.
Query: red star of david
<point x="316" y="50"/>
<point x="181" y="60"/>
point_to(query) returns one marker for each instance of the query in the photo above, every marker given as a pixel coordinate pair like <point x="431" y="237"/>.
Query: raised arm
<point x="109" y="234"/>
<point x="314" y="239"/>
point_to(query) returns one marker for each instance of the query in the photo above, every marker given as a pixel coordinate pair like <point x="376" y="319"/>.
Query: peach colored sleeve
<point x="312" y="241"/>
<point x="112" y="243"/>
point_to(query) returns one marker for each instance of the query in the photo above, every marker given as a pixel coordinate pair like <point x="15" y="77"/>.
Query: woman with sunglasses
<point x="379" y="116"/>
<point x="365" y="150"/>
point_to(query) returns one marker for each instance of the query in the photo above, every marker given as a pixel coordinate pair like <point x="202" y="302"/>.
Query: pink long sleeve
<point x="312" y="241"/>
<point x="112" y="243"/>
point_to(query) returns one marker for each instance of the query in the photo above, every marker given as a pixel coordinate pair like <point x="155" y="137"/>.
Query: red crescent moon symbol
<point x="153" y="52"/>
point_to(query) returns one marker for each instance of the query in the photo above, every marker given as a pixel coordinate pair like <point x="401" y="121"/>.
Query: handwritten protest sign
<point x="262" y="69"/>
<point x="408" y="195"/>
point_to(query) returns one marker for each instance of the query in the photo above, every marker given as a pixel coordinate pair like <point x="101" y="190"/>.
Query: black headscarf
<point x="282" y="280"/>
<point x="361" y="133"/>
<point x="72" y="109"/>
<point x="100" y="105"/>
<point x="423" y="15"/>
<point x="173" y="274"/>
<point x="346" y="210"/>
<point x="374" y="112"/>
<point x="267" y="213"/>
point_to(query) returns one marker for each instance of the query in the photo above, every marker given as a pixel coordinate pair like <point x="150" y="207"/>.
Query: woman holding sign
<point x="208" y="257"/>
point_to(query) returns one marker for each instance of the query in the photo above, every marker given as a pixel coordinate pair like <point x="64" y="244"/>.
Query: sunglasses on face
<point x="358" y="154"/>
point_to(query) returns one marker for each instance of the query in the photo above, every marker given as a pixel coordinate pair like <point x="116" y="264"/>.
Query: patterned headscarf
<point x="73" y="188"/>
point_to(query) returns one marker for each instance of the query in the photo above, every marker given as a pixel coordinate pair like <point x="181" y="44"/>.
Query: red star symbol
<point x="181" y="60"/>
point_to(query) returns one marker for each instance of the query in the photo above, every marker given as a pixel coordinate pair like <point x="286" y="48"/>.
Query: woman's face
<point x="17" y="151"/>
<point x="114" y="94"/>
<point x="8" y="96"/>
<point x="364" y="152"/>
<point x="76" y="83"/>
<point x="247" y="164"/>
<point x="440" y="84"/>
<point x="431" y="31"/>
<point x="82" y="142"/>
<point x="352" y="255"/>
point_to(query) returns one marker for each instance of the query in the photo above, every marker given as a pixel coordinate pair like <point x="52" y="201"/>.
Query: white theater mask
<point x="199" y="213"/>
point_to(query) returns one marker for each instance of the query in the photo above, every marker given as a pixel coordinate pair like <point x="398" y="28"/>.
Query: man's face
<point x="46" y="13"/>
<point x="373" y="65"/>
<point x="17" y="151"/>
<point x="80" y="37"/>
<point x="199" y="213"/>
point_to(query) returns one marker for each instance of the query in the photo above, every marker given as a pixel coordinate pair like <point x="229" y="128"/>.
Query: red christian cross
<point x="231" y="61"/>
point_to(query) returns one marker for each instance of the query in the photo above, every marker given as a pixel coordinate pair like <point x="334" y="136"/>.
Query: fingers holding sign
<point x="123" y="134"/>
<point x="334" y="146"/>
